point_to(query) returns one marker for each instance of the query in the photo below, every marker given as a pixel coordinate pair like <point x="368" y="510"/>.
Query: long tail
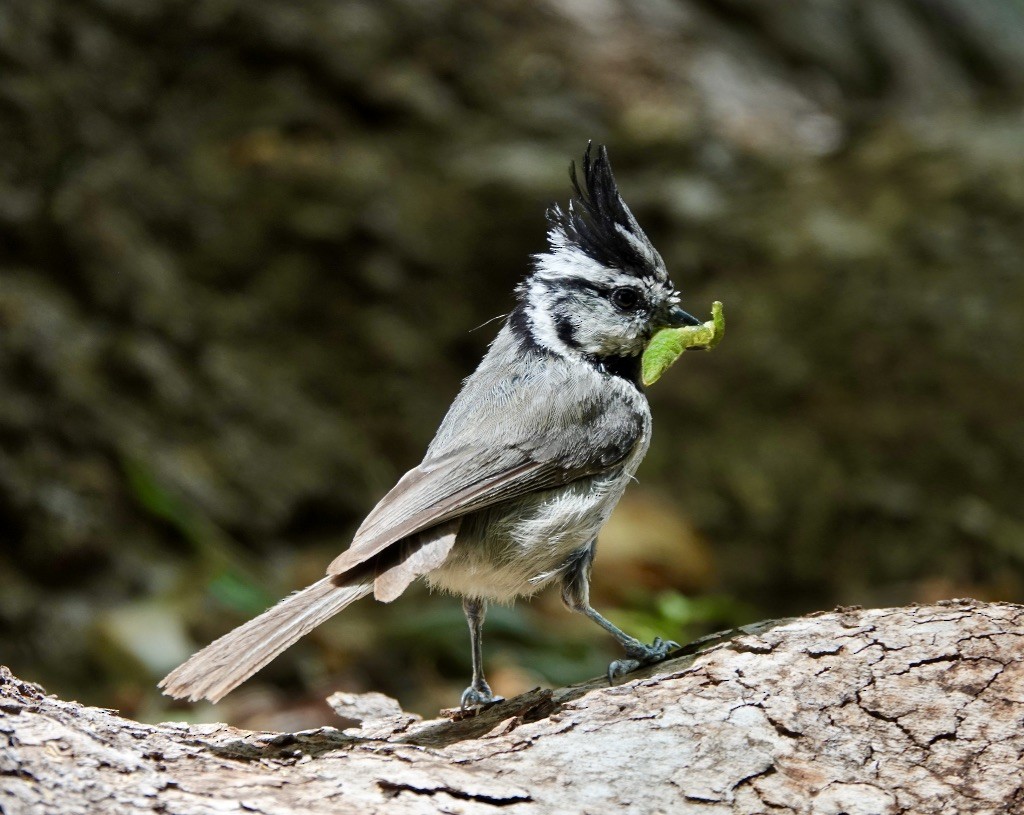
<point x="227" y="662"/>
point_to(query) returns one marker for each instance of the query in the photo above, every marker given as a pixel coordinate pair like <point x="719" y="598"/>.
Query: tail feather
<point x="227" y="662"/>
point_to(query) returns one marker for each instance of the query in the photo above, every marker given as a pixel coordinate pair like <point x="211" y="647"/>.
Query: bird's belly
<point x="515" y="548"/>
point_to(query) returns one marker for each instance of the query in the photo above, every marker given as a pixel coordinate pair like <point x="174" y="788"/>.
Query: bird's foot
<point x="479" y="693"/>
<point x="639" y="655"/>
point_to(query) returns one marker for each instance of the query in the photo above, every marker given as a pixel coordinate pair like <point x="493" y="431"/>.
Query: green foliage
<point x="673" y="615"/>
<point x="234" y="586"/>
<point x="161" y="503"/>
<point x="241" y="593"/>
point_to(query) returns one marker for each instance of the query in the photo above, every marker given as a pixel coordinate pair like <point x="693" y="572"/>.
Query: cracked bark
<point x="907" y="710"/>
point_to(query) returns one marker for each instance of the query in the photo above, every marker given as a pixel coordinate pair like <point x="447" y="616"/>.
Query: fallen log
<point x="902" y="710"/>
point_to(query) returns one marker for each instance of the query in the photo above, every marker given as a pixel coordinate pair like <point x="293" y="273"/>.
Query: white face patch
<point x="566" y="259"/>
<point x="569" y="261"/>
<point x="539" y="312"/>
<point x="570" y="310"/>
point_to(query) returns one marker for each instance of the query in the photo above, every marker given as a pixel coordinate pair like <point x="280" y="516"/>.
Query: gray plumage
<point x="527" y="465"/>
<point x="227" y="662"/>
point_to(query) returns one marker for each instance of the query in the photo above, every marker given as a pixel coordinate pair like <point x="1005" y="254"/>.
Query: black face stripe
<point x="563" y="285"/>
<point x="519" y="323"/>
<point x="575" y="284"/>
<point x="566" y="330"/>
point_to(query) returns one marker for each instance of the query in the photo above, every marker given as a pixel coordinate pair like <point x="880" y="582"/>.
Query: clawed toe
<point x="664" y="647"/>
<point x="476" y="696"/>
<point x="639" y="655"/>
<point x="621" y="667"/>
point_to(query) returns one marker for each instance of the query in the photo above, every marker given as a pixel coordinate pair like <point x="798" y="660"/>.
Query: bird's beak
<point x="676" y="318"/>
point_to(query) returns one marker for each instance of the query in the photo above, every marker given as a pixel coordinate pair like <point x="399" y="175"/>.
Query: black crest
<point x="598" y="220"/>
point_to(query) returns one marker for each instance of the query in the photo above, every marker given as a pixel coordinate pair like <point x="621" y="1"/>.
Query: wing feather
<point x="423" y="499"/>
<point x="419" y="554"/>
<point x="554" y="430"/>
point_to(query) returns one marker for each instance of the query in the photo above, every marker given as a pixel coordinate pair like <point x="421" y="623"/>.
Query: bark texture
<point x="915" y="710"/>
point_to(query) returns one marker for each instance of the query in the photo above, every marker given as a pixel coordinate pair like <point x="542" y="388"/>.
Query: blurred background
<point x="244" y="243"/>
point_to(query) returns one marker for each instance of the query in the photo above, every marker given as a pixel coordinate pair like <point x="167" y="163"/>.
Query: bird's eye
<point x="625" y="299"/>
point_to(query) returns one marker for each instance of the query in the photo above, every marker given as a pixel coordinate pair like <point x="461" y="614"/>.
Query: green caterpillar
<point x="668" y="344"/>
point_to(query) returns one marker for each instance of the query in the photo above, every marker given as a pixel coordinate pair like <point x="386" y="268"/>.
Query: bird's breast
<point x="516" y="548"/>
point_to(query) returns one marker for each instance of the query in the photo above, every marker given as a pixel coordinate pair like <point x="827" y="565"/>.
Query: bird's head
<point x="601" y="289"/>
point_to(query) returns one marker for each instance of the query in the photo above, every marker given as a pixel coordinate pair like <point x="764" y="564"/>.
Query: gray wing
<point x="504" y="436"/>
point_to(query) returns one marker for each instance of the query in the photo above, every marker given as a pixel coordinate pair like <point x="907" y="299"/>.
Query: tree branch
<point x="914" y="709"/>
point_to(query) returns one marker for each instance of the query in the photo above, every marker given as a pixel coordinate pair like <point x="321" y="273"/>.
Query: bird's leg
<point x="576" y="595"/>
<point x="637" y="654"/>
<point x="479" y="692"/>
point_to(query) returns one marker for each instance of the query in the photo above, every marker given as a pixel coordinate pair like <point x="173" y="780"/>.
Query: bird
<point x="528" y="463"/>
